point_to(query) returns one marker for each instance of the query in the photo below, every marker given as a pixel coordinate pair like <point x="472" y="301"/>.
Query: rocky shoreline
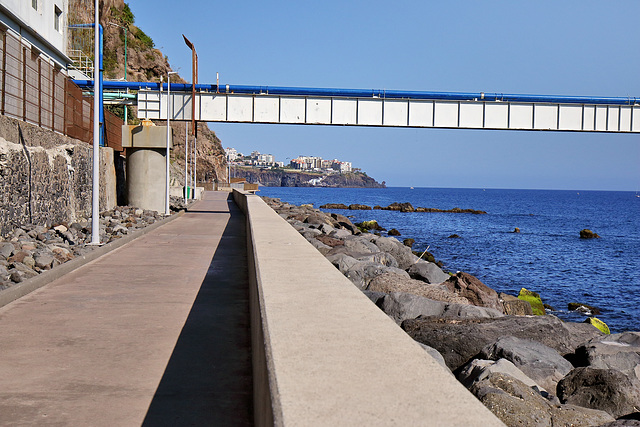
<point x="33" y="249"/>
<point x="530" y="370"/>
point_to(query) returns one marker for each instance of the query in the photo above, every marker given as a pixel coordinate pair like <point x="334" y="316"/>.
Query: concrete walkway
<point x="153" y="333"/>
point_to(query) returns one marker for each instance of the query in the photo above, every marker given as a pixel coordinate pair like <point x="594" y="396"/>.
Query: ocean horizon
<point x="547" y="255"/>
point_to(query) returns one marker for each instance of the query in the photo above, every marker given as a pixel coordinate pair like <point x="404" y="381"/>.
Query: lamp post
<point x="97" y="89"/>
<point x="126" y="117"/>
<point x="194" y="128"/>
<point x="166" y="197"/>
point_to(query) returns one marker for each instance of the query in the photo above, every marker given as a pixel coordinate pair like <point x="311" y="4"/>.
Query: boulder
<point x="329" y="241"/>
<point x="359" y="207"/>
<point x="321" y="247"/>
<point x="43" y="260"/>
<point x="317" y="219"/>
<point x="622" y="422"/>
<point x="434" y="353"/>
<point x="541" y="363"/>
<point x="6" y="249"/>
<point x="341" y="233"/>
<point x="427" y="272"/>
<point x="408" y="242"/>
<point x="460" y="340"/>
<point x="400" y="306"/>
<point x="583" y="308"/>
<point x="360" y="245"/>
<point x="517" y="404"/>
<point x="532" y="298"/>
<point x="389" y="282"/>
<point x="588" y="234"/>
<point x="479" y="369"/>
<point x="400" y="252"/>
<point x="515" y="306"/>
<point x="618" y="351"/>
<point x="604" y="389"/>
<point x="393" y="232"/>
<point x="374" y="296"/>
<point x="334" y="206"/>
<point x="343" y="262"/>
<point x="369" y="225"/>
<point x="474" y="290"/>
<point x="402" y="207"/>
<point x="381" y="258"/>
<point x="363" y="272"/>
<point x="466" y="310"/>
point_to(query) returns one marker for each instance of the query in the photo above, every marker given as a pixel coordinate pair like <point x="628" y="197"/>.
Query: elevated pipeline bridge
<point x="387" y="108"/>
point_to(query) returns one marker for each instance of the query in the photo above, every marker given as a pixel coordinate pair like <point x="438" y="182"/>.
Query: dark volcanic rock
<point x="583" y="308"/>
<point x="516" y="404"/>
<point x="588" y="234"/>
<point x="358" y="207"/>
<point x="474" y="290"/>
<point x="541" y="363"/>
<point x="617" y="351"/>
<point x="334" y="206"/>
<point x="605" y="389"/>
<point x="461" y="340"/>
<point x="427" y="272"/>
<point x="393" y="232"/>
<point x="515" y="306"/>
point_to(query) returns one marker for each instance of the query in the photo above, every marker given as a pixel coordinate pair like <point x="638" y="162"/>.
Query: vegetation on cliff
<point x="144" y="63"/>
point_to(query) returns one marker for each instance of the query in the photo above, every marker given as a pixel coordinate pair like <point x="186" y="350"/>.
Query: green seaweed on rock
<point x="534" y="299"/>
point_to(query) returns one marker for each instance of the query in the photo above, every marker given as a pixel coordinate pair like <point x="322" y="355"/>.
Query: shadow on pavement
<point x="208" y="378"/>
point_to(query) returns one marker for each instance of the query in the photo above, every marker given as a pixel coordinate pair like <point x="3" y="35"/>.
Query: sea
<point x="547" y="256"/>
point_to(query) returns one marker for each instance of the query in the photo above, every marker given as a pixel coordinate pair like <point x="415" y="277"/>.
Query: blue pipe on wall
<point x="372" y="93"/>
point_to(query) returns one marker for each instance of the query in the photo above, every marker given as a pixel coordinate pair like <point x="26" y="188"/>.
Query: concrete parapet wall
<point x="324" y="354"/>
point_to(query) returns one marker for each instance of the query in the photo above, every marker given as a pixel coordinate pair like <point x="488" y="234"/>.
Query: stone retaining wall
<point x="46" y="178"/>
<point x="324" y="354"/>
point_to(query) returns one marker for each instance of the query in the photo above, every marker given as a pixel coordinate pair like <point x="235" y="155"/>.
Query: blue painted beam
<point x="369" y="93"/>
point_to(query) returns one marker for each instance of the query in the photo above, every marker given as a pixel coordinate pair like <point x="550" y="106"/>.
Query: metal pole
<point x="167" y="210"/>
<point x="95" y="220"/>
<point x="186" y="156"/>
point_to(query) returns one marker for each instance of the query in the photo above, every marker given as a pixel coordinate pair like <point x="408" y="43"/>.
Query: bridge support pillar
<point x="145" y="171"/>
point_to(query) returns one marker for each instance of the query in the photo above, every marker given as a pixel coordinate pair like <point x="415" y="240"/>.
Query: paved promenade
<point x="153" y="333"/>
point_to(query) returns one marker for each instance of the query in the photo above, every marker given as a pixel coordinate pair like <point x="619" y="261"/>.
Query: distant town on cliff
<point x="303" y="163"/>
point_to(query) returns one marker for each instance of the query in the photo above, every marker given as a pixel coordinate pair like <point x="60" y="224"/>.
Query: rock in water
<point x="583" y="308"/>
<point x="588" y="234"/>
<point x="534" y="299"/>
<point x="604" y="389"/>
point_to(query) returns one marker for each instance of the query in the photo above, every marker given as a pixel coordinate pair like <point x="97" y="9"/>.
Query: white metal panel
<point x="601" y="118"/>
<point x="181" y="106"/>
<point x="613" y="117"/>
<point x="344" y="111"/>
<point x="445" y="114"/>
<point x="149" y="104"/>
<point x="240" y="109"/>
<point x="396" y="113"/>
<point x="370" y="112"/>
<point x="213" y="107"/>
<point x="266" y="109"/>
<point x="421" y="113"/>
<point x="521" y="116"/>
<point x="496" y="115"/>
<point x="545" y="117"/>
<point x="625" y="119"/>
<point x="570" y="117"/>
<point x="319" y="110"/>
<point x="471" y="115"/>
<point x="635" y="119"/>
<point x="588" y="117"/>
<point x="292" y="110"/>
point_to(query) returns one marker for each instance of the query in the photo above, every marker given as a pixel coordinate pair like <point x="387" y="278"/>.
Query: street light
<point x="166" y="198"/>
<point x="97" y="89"/>
<point x="126" y="117"/>
<point x="194" y="129"/>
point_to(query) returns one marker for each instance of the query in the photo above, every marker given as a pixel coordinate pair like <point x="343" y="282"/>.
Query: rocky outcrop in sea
<point x="530" y="370"/>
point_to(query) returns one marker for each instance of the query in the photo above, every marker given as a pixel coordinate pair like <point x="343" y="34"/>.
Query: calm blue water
<point x="547" y="256"/>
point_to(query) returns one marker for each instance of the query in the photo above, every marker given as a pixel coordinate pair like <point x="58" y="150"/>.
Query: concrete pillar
<point x="145" y="147"/>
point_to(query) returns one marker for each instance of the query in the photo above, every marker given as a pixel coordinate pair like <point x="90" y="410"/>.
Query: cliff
<point x="290" y="178"/>
<point x="144" y="63"/>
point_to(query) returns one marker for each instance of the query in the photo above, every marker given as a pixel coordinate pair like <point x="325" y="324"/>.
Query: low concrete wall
<point x="324" y="354"/>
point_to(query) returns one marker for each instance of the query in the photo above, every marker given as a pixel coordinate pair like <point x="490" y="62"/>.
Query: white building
<point x="231" y="153"/>
<point x="40" y="25"/>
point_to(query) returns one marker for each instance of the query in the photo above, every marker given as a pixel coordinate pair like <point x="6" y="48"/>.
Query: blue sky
<point x="545" y="47"/>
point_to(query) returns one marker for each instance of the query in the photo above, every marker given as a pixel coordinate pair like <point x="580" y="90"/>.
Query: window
<point x="57" y="18"/>
<point x="34" y="4"/>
